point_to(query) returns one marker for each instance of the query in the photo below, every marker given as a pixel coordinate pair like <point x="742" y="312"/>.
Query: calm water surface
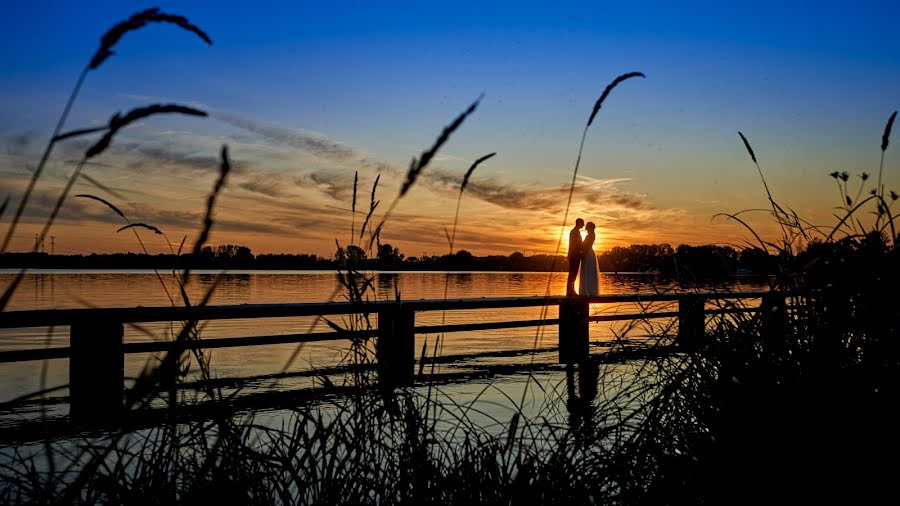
<point x="72" y="289"/>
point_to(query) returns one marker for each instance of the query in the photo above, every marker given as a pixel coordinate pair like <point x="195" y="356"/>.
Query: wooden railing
<point x="96" y="350"/>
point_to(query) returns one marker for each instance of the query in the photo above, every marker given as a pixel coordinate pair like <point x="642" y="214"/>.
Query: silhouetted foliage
<point x="686" y="262"/>
<point x="389" y="257"/>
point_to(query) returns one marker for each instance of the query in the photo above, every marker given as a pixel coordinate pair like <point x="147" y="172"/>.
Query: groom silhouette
<point x="576" y="253"/>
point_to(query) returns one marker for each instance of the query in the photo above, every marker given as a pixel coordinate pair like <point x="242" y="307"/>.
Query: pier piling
<point x="395" y="349"/>
<point x="691" y="322"/>
<point x="96" y="372"/>
<point x="574" y="335"/>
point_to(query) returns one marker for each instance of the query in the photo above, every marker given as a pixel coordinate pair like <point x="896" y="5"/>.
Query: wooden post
<point x="96" y="372"/>
<point x="574" y="335"/>
<point x="395" y="349"/>
<point x="773" y="319"/>
<point x="691" y="322"/>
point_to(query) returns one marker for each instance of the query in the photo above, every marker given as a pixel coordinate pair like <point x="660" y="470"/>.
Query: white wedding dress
<point x="589" y="275"/>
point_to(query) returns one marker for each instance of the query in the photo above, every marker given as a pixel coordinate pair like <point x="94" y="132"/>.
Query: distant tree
<point x="352" y="257"/>
<point x="708" y="261"/>
<point x="356" y="254"/>
<point x="388" y="256"/>
<point x="462" y="259"/>
<point x="225" y="252"/>
<point x="516" y="261"/>
<point x="757" y="261"/>
<point x="243" y="257"/>
<point x="207" y="257"/>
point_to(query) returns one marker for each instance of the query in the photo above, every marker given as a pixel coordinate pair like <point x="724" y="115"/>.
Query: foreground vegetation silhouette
<point x="795" y="402"/>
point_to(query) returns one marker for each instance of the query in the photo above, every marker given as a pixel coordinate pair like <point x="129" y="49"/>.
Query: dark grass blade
<point x="77" y="133"/>
<point x="615" y="82"/>
<point x="3" y="206"/>
<point x="61" y="200"/>
<point x="224" y="169"/>
<point x="373" y="204"/>
<point x="608" y="89"/>
<point x="100" y="185"/>
<point x="43" y="161"/>
<point x="465" y="182"/>
<point x="469" y="172"/>
<point x="181" y="245"/>
<point x="141" y="225"/>
<point x="376" y="236"/>
<point x="11" y="289"/>
<point x="776" y="208"/>
<point x="353" y="207"/>
<point x="117" y="122"/>
<point x="107" y="42"/>
<point x="749" y="148"/>
<point x="136" y="22"/>
<point x="885" y="137"/>
<point x="374" y="187"/>
<point x="850" y="212"/>
<point x="419" y="164"/>
<point x="104" y="202"/>
<point x="372" y="209"/>
<point x="449" y="239"/>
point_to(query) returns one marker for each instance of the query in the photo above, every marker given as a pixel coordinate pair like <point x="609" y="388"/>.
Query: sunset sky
<point x="307" y="93"/>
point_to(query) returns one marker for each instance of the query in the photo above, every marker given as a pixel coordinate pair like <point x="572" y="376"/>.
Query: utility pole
<point x="52" y="244"/>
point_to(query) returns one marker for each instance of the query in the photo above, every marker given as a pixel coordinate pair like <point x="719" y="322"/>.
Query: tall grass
<point x="104" y="51"/>
<point x="638" y="424"/>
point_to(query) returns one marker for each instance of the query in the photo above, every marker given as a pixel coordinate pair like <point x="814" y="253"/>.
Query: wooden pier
<point x="96" y="351"/>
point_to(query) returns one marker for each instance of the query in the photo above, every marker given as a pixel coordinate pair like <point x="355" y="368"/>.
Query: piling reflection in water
<point x="580" y="402"/>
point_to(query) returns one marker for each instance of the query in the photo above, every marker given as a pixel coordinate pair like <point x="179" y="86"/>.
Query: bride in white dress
<point x="589" y="275"/>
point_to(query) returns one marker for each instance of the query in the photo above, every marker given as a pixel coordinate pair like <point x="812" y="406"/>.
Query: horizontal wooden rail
<point x="96" y="335"/>
<point x="234" y="342"/>
<point x="62" y="317"/>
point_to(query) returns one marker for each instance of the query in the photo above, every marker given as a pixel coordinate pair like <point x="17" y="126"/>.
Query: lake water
<point x="72" y="289"/>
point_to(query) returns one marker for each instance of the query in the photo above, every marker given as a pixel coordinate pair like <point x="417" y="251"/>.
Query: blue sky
<point x="811" y="84"/>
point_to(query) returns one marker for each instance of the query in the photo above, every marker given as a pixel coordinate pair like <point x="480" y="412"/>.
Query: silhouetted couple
<point x="583" y="262"/>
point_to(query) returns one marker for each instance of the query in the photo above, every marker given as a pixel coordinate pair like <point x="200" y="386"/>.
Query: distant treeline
<point x="684" y="261"/>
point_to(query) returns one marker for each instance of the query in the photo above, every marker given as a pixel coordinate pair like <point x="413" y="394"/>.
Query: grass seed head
<point x="608" y="89"/>
<point x="418" y="164"/>
<point x="103" y="201"/>
<point x="885" y="137"/>
<point x="749" y="148"/>
<point x="141" y="225"/>
<point x="136" y="22"/>
<point x="224" y="169"/>
<point x="118" y="122"/>
<point x="469" y="172"/>
<point x="355" y="186"/>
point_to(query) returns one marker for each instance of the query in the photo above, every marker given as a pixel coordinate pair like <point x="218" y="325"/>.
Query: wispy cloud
<point x="603" y="194"/>
<point x="271" y="185"/>
<point x="318" y="145"/>
<point x="292" y="186"/>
